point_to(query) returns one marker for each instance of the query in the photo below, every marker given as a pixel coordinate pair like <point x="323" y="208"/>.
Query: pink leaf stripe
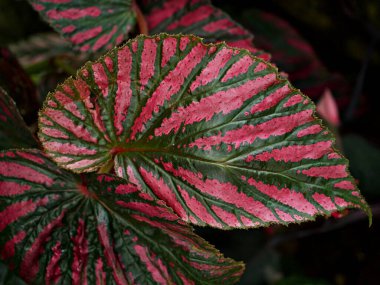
<point x="200" y="18"/>
<point x="89" y="25"/>
<point x="13" y="131"/>
<point x="211" y="130"/>
<point x="56" y="229"/>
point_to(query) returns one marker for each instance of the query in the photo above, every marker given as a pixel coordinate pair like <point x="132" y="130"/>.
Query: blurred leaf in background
<point x="294" y="55"/>
<point x="364" y="163"/>
<point x="48" y="59"/>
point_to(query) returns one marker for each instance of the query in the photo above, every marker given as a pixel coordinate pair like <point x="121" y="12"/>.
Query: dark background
<point x="345" y="38"/>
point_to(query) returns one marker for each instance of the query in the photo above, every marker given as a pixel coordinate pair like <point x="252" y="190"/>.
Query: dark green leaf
<point x="89" y="24"/>
<point x="13" y="131"/>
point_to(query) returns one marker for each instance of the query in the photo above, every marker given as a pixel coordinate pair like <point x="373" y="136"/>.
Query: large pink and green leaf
<point x="58" y="227"/>
<point x="200" y="18"/>
<point x="213" y="131"/>
<point x="13" y="131"/>
<point x="89" y="24"/>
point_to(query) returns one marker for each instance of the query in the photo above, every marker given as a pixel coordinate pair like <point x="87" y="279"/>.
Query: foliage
<point x="180" y="131"/>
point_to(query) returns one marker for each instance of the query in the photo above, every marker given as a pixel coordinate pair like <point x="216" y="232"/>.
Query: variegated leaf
<point x="13" y="131"/>
<point x="89" y="24"/>
<point x="60" y="228"/>
<point x="211" y="130"/>
<point x="200" y="18"/>
<point x="42" y="47"/>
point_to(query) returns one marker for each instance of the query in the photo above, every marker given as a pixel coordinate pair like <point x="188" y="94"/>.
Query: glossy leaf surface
<point x="58" y="227"/>
<point x="211" y="130"/>
<point x="13" y="131"/>
<point x="89" y="24"/>
<point x="199" y="18"/>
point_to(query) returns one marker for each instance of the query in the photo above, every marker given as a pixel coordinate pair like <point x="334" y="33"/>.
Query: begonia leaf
<point x="200" y="18"/>
<point x="91" y="25"/>
<point x="57" y="227"/>
<point x="213" y="131"/>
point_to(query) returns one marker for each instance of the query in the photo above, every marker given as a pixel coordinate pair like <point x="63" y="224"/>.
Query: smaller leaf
<point x="13" y="131"/>
<point x="201" y="19"/>
<point x="58" y="227"/>
<point x="90" y="25"/>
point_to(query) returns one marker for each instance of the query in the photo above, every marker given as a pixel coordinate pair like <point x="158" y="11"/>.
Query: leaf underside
<point x="200" y="18"/>
<point x="90" y="25"/>
<point x="13" y="131"/>
<point x="211" y="130"/>
<point x="58" y="227"/>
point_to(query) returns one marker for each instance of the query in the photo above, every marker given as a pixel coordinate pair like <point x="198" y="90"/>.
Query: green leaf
<point x="213" y="131"/>
<point x="58" y="227"/>
<point x="13" y="131"/>
<point x="200" y="18"/>
<point x="364" y="163"/>
<point x="89" y="24"/>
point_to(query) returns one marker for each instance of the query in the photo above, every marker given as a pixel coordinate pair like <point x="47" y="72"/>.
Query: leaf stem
<point x="107" y="167"/>
<point x="141" y="22"/>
